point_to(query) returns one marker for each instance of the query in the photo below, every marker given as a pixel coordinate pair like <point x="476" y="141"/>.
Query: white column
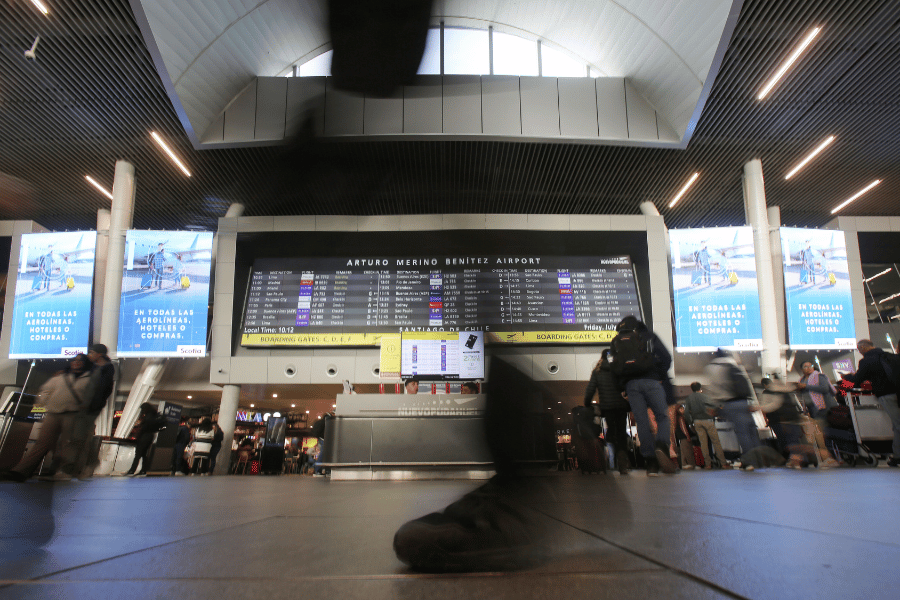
<point x="121" y="218"/>
<point x="103" y="425"/>
<point x="774" y="215"/>
<point x="141" y="391"/>
<point x="757" y="218"/>
<point x="648" y="209"/>
<point x="231" y="395"/>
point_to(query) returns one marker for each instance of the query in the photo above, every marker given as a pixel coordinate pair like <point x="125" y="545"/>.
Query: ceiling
<point x="93" y="95"/>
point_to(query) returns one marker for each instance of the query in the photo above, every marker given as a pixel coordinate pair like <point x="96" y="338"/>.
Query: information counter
<point x="399" y="436"/>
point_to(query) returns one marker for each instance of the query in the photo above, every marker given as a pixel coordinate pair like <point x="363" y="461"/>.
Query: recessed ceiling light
<point x="684" y="190"/>
<point x="97" y="185"/>
<point x="307" y="412"/>
<point x="855" y="196"/>
<point x="171" y="154"/>
<point x="190" y="397"/>
<point x="787" y="64"/>
<point x="293" y="406"/>
<point x="334" y="406"/>
<point x="251" y="406"/>
<point x="274" y="395"/>
<point x="810" y="156"/>
<point x="40" y="6"/>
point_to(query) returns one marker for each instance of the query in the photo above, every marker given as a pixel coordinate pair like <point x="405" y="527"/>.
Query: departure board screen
<point x="513" y="299"/>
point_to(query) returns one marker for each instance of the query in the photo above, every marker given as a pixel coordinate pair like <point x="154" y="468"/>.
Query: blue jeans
<point x="737" y="412"/>
<point x="644" y="394"/>
<point x="890" y="405"/>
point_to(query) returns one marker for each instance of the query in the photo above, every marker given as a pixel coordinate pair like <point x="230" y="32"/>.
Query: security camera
<point x="29" y="54"/>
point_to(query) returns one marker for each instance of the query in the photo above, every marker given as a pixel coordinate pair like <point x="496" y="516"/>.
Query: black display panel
<point x="520" y="296"/>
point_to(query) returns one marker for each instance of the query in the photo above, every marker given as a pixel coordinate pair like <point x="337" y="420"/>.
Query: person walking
<point x="216" y="447"/>
<point x="730" y="385"/>
<point x="640" y="361"/>
<point x="702" y="410"/>
<point x="150" y="422"/>
<point x="64" y="397"/>
<point x="203" y="442"/>
<point x="872" y="368"/>
<point x="182" y="439"/>
<point x="613" y="408"/>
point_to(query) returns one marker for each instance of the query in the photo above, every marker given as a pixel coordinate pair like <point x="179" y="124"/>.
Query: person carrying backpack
<point x="640" y="361"/>
<point x="882" y="369"/>
<point x="730" y="387"/>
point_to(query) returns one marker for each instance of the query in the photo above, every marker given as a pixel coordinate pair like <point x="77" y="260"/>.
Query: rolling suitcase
<point x="590" y="450"/>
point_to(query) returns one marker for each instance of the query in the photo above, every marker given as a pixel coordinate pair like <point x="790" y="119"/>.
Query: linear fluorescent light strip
<point x="809" y="157"/>
<point x="97" y="185"/>
<point x="171" y="154"/>
<point x="886" y="271"/>
<point x="855" y="196"/>
<point x="684" y="189"/>
<point x="883" y="300"/>
<point x="787" y="65"/>
<point x="40" y="6"/>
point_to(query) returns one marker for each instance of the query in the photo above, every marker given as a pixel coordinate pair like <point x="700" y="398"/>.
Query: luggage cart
<point x="872" y="427"/>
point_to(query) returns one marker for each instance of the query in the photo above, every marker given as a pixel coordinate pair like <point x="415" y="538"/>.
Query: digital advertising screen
<point x="817" y="289"/>
<point x="54" y="288"/>
<point x="165" y="293"/>
<point x="442" y="355"/>
<point x="715" y="289"/>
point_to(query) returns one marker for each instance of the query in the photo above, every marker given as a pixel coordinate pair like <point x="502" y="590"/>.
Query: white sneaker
<point x="179" y="474"/>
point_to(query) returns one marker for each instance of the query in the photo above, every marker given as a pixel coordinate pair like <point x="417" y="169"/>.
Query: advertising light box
<point x="54" y="285"/>
<point x="165" y="293"/>
<point x="442" y="355"/>
<point x="716" y="295"/>
<point x="817" y="289"/>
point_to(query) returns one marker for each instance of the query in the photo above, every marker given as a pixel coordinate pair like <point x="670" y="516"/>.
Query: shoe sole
<point x="665" y="463"/>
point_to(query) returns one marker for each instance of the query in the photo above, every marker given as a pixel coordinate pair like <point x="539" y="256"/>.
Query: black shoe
<point x="652" y="466"/>
<point x="12" y="476"/>
<point x="481" y="531"/>
<point x="893" y="462"/>
<point x="622" y="462"/>
<point x="662" y="456"/>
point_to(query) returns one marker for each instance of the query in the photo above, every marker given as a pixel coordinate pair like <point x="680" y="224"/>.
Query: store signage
<point x="54" y="285"/>
<point x="165" y="293"/>
<point x="817" y="289"/>
<point x="715" y="289"/>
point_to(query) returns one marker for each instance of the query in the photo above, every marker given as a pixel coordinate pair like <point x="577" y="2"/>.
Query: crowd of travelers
<point x="631" y="381"/>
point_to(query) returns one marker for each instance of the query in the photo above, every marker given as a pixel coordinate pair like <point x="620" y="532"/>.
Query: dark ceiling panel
<point x="93" y="96"/>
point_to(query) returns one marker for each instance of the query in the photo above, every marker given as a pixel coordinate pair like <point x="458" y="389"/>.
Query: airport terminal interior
<point x="283" y="277"/>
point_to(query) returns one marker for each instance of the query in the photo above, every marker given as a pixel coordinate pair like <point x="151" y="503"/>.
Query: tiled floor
<point x="770" y="534"/>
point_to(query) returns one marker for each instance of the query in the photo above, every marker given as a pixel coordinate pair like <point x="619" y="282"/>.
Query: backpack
<point x="632" y="355"/>
<point x="891" y="365"/>
<point x="740" y="383"/>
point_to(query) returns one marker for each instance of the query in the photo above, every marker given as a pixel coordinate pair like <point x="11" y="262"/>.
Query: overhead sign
<point x="715" y="290"/>
<point x="442" y="355"/>
<point x="817" y="289"/>
<point x="54" y="285"/>
<point x="165" y="293"/>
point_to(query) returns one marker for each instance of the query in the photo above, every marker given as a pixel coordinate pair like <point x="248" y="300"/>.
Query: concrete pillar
<point x="774" y="216"/>
<point x="141" y="391"/>
<point x="649" y="209"/>
<point x="103" y="424"/>
<point x="121" y="217"/>
<point x="757" y="218"/>
<point x="231" y="395"/>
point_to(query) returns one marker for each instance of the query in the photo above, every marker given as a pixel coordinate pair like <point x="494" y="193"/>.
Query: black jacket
<point x="661" y="358"/>
<point x="104" y="378"/>
<point x="870" y="369"/>
<point x="603" y="382"/>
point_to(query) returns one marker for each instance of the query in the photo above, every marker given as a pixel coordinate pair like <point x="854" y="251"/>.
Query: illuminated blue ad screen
<point x="817" y="289"/>
<point x="54" y="284"/>
<point x="715" y="290"/>
<point x="165" y="293"/>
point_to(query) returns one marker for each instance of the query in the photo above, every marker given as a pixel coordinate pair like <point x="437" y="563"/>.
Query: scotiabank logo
<point x="191" y="350"/>
<point x="70" y="352"/>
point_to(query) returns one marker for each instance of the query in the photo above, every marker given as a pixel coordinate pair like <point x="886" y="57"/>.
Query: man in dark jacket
<point x="645" y="390"/>
<point x="871" y="368"/>
<point x="613" y="407"/>
<point x="182" y="439"/>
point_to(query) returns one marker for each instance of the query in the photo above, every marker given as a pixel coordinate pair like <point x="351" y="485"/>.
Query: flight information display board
<point x="521" y="299"/>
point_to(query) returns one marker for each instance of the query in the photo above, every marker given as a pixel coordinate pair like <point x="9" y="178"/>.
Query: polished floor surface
<point x="773" y="533"/>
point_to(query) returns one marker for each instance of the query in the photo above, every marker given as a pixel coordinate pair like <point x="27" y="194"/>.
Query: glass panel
<point x="556" y="64"/>
<point x="320" y="65"/>
<point x="465" y="52"/>
<point x="514" y="55"/>
<point x="431" y="59"/>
